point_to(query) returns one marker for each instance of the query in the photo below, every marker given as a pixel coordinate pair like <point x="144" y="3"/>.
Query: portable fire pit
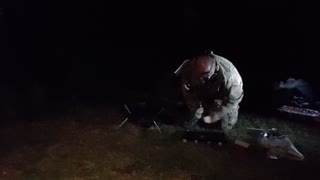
<point x="143" y="115"/>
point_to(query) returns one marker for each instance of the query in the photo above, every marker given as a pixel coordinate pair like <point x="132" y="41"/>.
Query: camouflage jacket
<point x="223" y="91"/>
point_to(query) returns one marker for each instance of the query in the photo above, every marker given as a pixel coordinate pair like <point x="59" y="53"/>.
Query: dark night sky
<point x="97" y="46"/>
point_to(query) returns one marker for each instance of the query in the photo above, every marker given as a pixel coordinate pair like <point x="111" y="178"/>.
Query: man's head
<point x="204" y="66"/>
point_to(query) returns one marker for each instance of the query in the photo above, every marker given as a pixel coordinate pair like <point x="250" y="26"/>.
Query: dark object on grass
<point x="204" y="136"/>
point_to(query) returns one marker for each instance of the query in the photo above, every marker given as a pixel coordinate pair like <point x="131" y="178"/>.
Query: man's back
<point x="219" y="84"/>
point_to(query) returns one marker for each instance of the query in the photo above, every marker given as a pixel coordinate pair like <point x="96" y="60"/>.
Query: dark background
<point x="98" y="50"/>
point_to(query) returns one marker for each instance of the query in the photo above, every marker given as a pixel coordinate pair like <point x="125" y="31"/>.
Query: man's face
<point x="204" y="68"/>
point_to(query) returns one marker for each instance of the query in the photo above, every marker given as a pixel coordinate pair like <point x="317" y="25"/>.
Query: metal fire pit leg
<point x="125" y="120"/>
<point x="157" y="126"/>
<point x="122" y="123"/>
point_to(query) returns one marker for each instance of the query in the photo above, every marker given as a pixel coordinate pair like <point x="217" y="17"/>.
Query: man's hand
<point x="212" y="118"/>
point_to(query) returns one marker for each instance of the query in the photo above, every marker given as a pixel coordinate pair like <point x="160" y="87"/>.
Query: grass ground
<point x="86" y="145"/>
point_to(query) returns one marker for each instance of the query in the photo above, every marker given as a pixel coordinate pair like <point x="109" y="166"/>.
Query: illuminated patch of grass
<point x="84" y="149"/>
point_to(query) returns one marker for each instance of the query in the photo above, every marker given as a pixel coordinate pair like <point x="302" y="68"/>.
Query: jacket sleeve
<point x="234" y="95"/>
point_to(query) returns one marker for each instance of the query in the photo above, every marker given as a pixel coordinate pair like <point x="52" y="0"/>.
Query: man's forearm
<point x="219" y="109"/>
<point x="192" y="102"/>
<point x="191" y="99"/>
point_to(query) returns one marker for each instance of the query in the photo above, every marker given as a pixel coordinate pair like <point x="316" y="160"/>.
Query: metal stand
<point x="126" y="119"/>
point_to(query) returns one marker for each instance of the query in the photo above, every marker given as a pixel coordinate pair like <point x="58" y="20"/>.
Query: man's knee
<point x="230" y="119"/>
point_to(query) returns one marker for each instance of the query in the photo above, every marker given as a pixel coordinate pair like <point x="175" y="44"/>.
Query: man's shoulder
<point x="225" y="64"/>
<point x="228" y="69"/>
<point x="223" y="60"/>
